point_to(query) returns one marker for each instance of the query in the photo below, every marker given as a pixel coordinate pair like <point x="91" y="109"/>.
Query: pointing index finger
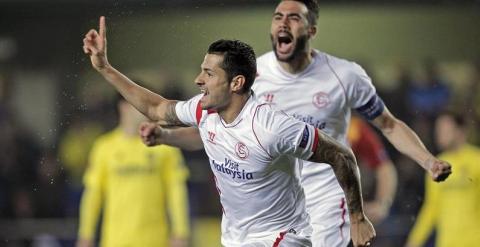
<point x="102" y="27"/>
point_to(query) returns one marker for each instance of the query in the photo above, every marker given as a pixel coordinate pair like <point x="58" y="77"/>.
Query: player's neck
<point x="231" y="111"/>
<point x="298" y="64"/>
<point x="459" y="143"/>
<point x="129" y="129"/>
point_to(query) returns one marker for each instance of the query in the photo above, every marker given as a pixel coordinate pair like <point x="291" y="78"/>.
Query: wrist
<point x="104" y="69"/>
<point x="162" y="134"/>
<point x="356" y="217"/>
<point x="428" y="162"/>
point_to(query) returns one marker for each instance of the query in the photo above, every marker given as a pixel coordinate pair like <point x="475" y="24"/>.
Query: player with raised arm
<point x="245" y="140"/>
<point x="321" y="89"/>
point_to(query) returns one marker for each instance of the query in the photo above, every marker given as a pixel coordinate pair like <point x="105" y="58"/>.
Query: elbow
<point x="388" y="125"/>
<point x="343" y="158"/>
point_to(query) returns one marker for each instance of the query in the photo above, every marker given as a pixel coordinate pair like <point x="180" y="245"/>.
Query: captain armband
<point x="372" y="109"/>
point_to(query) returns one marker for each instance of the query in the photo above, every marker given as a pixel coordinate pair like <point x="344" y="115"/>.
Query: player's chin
<point x="206" y="105"/>
<point x="283" y="57"/>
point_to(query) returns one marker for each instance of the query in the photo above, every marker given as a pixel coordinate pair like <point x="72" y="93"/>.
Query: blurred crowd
<point x="38" y="181"/>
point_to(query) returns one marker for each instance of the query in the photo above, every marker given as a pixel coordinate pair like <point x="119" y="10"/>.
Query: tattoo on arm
<point x="344" y="166"/>
<point x="171" y="118"/>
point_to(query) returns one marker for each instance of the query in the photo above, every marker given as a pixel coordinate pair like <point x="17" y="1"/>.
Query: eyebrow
<point x="207" y="70"/>
<point x="288" y="15"/>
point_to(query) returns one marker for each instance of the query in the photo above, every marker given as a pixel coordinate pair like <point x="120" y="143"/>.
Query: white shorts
<point x="284" y="239"/>
<point x="331" y="224"/>
<point x="325" y="202"/>
<point x="291" y="239"/>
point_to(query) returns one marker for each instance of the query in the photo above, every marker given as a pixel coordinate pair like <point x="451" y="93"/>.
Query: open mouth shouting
<point x="284" y="43"/>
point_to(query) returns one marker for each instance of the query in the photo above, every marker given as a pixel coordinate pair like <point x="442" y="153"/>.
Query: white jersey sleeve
<point x="280" y="134"/>
<point x="362" y="95"/>
<point x="189" y="112"/>
<point x="359" y="88"/>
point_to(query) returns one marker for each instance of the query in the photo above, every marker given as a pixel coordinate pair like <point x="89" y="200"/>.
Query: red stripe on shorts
<point x="342" y="206"/>
<point x="279" y="239"/>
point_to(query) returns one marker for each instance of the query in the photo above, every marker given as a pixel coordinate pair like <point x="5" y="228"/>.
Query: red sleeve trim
<point x="198" y="113"/>
<point x="315" y="141"/>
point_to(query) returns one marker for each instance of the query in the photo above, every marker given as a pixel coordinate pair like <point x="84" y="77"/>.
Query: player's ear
<point x="237" y="83"/>
<point x="312" y="31"/>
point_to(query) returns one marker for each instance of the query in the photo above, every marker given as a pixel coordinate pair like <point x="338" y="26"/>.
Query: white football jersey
<point x="322" y="95"/>
<point x="260" y="196"/>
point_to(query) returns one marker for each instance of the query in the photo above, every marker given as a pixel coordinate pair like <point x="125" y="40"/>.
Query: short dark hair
<point x="313" y="9"/>
<point x="460" y="118"/>
<point x="238" y="59"/>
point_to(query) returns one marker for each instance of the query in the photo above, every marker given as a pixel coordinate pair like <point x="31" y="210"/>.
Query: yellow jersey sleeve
<point x="428" y="215"/>
<point x="175" y="176"/>
<point x="94" y="181"/>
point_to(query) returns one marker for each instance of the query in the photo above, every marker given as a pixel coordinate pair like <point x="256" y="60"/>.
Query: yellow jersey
<point x="453" y="206"/>
<point x="134" y="185"/>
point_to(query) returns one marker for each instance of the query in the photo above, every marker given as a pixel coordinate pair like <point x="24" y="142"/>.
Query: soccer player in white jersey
<point x="262" y="200"/>
<point x="321" y="90"/>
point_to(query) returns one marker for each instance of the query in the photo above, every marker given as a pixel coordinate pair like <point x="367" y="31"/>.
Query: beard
<point x="299" y="48"/>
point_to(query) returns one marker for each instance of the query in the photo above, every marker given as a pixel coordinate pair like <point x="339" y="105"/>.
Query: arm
<point x="369" y="149"/>
<point x="92" y="198"/>
<point x="386" y="177"/>
<point x="153" y="134"/>
<point x="407" y="142"/>
<point x="345" y="168"/>
<point x="426" y="218"/>
<point x="177" y="198"/>
<point x="150" y="104"/>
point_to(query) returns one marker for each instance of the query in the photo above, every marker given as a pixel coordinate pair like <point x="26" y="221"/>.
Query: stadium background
<point x="52" y="94"/>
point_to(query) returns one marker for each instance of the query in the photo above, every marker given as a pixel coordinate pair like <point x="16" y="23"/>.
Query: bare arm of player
<point x="345" y="168"/>
<point x="386" y="178"/>
<point x="150" y="104"/>
<point x="187" y="138"/>
<point x="407" y="142"/>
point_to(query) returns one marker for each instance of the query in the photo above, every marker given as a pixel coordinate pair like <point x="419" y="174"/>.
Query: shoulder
<point x="168" y="150"/>
<point x="270" y="121"/>
<point x="106" y="139"/>
<point x="262" y="114"/>
<point x="263" y="121"/>
<point x="104" y="144"/>
<point x="342" y="67"/>
<point x="472" y="150"/>
<point x="265" y="58"/>
<point x="265" y="61"/>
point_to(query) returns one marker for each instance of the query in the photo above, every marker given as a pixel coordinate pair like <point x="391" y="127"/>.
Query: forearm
<point x="386" y="177"/>
<point x="345" y="168"/>
<point x="184" y="138"/>
<point x="407" y="142"/>
<point x="147" y="102"/>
